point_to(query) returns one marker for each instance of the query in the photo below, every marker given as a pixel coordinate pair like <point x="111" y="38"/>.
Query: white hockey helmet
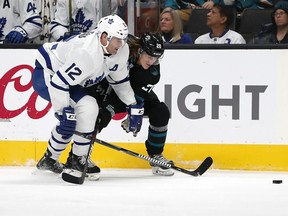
<point x="114" y="26"/>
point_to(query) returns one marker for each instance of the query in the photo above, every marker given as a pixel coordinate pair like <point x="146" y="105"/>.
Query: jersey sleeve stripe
<point x="118" y="82"/>
<point x="55" y="24"/>
<point x="62" y="78"/>
<point x="36" y="20"/>
<point x="46" y="57"/>
<point x="58" y="87"/>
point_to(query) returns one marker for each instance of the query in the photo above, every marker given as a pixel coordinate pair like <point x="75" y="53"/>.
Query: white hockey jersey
<point x="228" y="37"/>
<point x="82" y="16"/>
<point x="81" y="61"/>
<point x="19" y="13"/>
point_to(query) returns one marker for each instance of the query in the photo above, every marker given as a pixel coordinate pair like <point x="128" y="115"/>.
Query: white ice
<point x="136" y="192"/>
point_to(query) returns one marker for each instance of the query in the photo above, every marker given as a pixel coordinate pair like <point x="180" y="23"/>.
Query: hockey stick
<point x="204" y="166"/>
<point x="80" y="180"/>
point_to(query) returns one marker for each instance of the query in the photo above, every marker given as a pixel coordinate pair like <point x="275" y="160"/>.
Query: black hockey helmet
<point x="152" y="44"/>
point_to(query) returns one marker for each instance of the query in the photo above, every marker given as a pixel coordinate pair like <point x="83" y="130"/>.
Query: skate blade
<point x="162" y="172"/>
<point x="93" y="177"/>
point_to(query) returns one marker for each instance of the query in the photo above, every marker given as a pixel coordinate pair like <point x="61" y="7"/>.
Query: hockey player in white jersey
<point x="19" y="21"/>
<point x="219" y="20"/>
<point x="63" y="69"/>
<point x="75" y="16"/>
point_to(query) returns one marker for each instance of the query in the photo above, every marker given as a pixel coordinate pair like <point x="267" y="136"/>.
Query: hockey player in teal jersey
<point x="145" y="55"/>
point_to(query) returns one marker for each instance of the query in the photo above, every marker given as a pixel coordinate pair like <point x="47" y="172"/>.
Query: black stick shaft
<point x="80" y="180"/>
<point x="198" y="172"/>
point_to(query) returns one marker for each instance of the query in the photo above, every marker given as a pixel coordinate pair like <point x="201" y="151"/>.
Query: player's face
<point x="214" y="17"/>
<point x="166" y="23"/>
<point x="146" y="60"/>
<point x="280" y="17"/>
<point x="114" y="45"/>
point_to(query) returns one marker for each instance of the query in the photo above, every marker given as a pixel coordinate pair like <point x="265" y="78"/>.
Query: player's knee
<point x="86" y="110"/>
<point x="160" y="115"/>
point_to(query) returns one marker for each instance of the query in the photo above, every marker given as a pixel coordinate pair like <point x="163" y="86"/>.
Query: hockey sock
<point x="156" y="140"/>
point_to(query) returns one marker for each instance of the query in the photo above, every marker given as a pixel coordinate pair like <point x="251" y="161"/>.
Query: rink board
<point x="227" y="156"/>
<point x="224" y="103"/>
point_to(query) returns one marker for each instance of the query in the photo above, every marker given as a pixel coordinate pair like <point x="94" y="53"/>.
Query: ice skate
<point x="76" y="164"/>
<point x="158" y="170"/>
<point x="47" y="163"/>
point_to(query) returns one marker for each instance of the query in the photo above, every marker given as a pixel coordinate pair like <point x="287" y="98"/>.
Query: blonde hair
<point x="178" y="25"/>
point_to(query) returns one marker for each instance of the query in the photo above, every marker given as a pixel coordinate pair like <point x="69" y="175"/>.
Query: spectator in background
<point x="240" y="5"/>
<point x="183" y="8"/>
<point x="275" y="32"/>
<point x="171" y="28"/>
<point x="46" y="9"/>
<point x="219" y="20"/>
<point x="81" y="16"/>
<point x="19" y="21"/>
<point x="205" y="4"/>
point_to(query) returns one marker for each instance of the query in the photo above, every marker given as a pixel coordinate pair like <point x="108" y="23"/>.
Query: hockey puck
<point x="277" y="181"/>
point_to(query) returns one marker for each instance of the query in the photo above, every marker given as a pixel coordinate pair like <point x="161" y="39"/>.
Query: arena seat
<point x="251" y="21"/>
<point x="197" y="23"/>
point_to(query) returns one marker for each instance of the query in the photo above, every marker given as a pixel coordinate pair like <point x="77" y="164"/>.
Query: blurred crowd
<point x="40" y="21"/>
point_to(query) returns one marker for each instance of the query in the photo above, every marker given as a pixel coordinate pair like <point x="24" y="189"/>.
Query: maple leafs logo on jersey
<point x="80" y="24"/>
<point x="110" y="21"/>
<point x="90" y="82"/>
<point x="3" y="21"/>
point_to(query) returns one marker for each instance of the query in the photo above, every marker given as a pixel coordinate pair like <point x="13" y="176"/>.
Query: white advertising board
<point x="215" y="96"/>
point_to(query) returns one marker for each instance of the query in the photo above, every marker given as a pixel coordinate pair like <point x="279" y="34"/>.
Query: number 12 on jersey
<point x="73" y="71"/>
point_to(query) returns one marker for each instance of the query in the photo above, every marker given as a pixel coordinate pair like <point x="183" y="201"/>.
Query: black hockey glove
<point x="133" y="122"/>
<point x="16" y="35"/>
<point x="67" y="123"/>
<point x="103" y="119"/>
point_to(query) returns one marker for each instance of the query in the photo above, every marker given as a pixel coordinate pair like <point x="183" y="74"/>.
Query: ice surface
<point x="127" y="192"/>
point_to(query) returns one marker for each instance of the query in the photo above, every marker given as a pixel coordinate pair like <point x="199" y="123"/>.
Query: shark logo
<point x="80" y="24"/>
<point x="3" y="21"/>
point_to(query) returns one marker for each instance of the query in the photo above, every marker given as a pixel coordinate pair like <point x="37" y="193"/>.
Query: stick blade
<point x="204" y="166"/>
<point x="68" y="177"/>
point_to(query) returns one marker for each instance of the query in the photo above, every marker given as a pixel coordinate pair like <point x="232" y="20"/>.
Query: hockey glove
<point x="133" y="122"/>
<point x="16" y="35"/>
<point x="103" y="119"/>
<point x="67" y="123"/>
